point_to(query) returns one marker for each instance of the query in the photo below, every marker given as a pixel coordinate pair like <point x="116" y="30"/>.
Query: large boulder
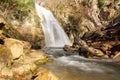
<point x="17" y="47"/>
<point x="5" y="56"/>
<point x="17" y="57"/>
<point x="5" y="61"/>
<point x="29" y="62"/>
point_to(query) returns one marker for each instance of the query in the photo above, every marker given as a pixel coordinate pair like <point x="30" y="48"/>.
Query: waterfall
<point x="53" y="32"/>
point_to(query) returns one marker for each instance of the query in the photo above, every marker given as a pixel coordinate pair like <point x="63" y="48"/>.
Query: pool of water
<point x="78" y="68"/>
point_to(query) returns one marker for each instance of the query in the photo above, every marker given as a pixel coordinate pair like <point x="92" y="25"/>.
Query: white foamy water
<point x="54" y="34"/>
<point x="81" y="64"/>
<point x="79" y="68"/>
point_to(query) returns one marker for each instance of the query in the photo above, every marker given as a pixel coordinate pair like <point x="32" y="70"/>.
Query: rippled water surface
<point x="79" y="68"/>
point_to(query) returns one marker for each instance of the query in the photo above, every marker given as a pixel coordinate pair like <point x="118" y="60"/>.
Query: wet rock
<point x="38" y="54"/>
<point x="46" y="75"/>
<point x="117" y="55"/>
<point x="89" y="51"/>
<point x="105" y="56"/>
<point x="69" y="48"/>
<point x="38" y="57"/>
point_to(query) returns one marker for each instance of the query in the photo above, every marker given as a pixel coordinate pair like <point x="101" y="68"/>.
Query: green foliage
<point x="16" y="9"/>
<point x="25" y="5"/>
<point x="37" y="21"/>
<point x="20" y="4"/>
<point x="4" y="31"/>
<point x="101" y="3"/>
<point x="7" y="1"/>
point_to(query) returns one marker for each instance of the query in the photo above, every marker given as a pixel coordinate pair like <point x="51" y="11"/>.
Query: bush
<point x="15" y="9"/>
<point x="20" y="4"/>
<point x="7" y="1"/>
<point x="101" y="3"/>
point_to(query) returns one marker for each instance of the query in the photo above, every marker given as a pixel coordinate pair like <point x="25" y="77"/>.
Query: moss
<point x="20" y="4"/>
<point x="25" y="5"/>
<point x="101" y="3"/>
<point x="8" y="1"/>
<point x="61" y="10"/>
<point x="4" y="31"/>
<point x="37" y="21"/>
<point x="43" y="61"/>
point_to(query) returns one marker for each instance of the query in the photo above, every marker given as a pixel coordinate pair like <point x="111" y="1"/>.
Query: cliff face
<point x="76" y="16"/>
<point x="92" y="25"/>
<point x="80" y="16"/>
<point x="23" y="21"/>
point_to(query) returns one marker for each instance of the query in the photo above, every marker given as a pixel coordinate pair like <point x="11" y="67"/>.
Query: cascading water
<point x="72" y="67"/>
<point x="54" y="34"/>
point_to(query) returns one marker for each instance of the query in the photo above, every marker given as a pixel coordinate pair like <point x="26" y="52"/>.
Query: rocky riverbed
<point x="93" y="26"/>
<point x="19" y="61"/>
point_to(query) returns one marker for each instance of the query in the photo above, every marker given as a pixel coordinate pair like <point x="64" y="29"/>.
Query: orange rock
<point x="0" y="75"/>
<point x="117" y="56"/>
<point x="46" y="75"/>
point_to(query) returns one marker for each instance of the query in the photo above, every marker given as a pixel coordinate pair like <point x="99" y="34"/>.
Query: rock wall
<point x="80" y="16"/>
<point x="22" y="21"/>
<point x="76" y="16"/>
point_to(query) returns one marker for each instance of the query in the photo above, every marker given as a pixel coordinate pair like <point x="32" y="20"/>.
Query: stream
<point x="74" y="67"/>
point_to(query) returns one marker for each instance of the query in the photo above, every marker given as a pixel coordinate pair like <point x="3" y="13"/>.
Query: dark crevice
<point x="1" y="41"/>
<point x="1" y="26"/>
